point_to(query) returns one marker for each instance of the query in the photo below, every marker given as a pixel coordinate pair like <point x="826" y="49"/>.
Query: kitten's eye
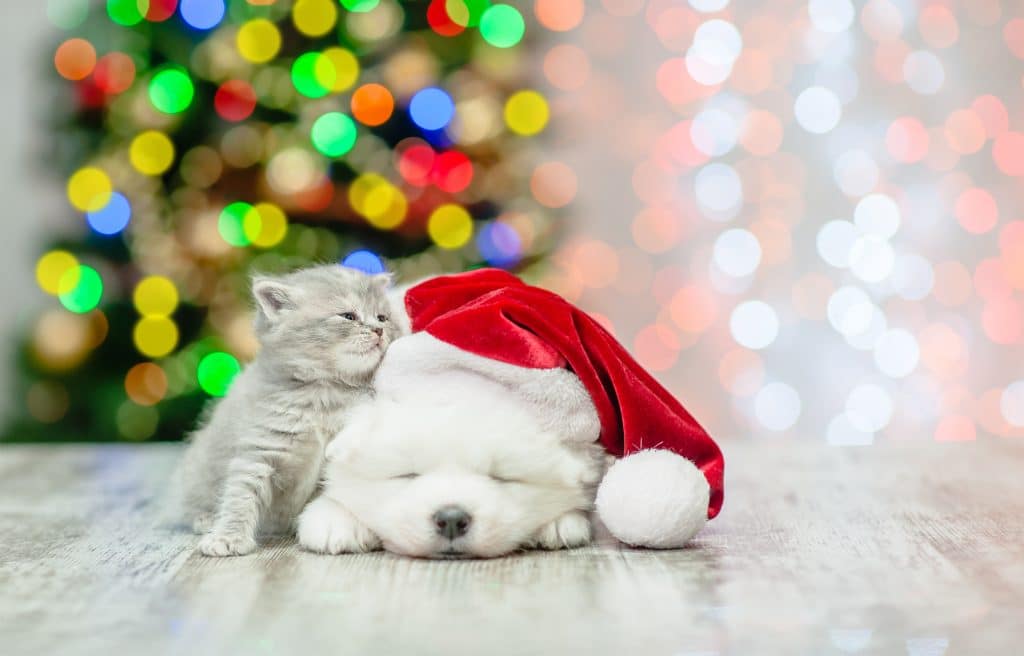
<point x="409" y="476"/>
<point x="504" y="479"/>
<point x="351" y="316"/>
<point x="382" y="318"/>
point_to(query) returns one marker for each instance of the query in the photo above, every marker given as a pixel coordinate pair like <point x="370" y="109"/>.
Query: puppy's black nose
<point x="452" y="522"/>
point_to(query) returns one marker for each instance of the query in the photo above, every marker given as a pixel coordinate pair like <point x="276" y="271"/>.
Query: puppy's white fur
<point x="449" y="432"/>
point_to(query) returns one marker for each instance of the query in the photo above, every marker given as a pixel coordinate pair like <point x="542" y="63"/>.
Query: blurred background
<point x="803" y="216"/>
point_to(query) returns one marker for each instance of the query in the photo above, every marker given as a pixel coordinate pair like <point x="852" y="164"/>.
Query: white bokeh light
<point x="719" y="191"/>
<point x="709" y="6"/>
<point x="872" y="259"/>
<point x="737" y="253"/>
<point x="913" y="277"/>
<point x="716" y="45"/>
<point x="856" y="173"/>
<point x="877" y="214"/>
<point x="831" y="15"/>
<point x="714" y="132"/>
<point x="850" y="310"/>
<point x="841" y="432"/>
<point x="754" y="324"/>
<point x="817" y="109"/>
<point x="834" y="241"/>
<point x="924" y="72"/>
<point x="777" y="406"/>
<point x="897" y="353"/>
<point x="869" y="408"/>
<point x="1011" y="403"/>
<point x="867" y="335"/>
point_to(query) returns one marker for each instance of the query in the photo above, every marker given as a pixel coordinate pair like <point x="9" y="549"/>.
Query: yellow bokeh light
<point x="382" y="203"/>
<point x="265" y="225"/>
<point x="51" y="268"/>
<point x="155" y="337"/>
<point x="526" y="113"/>
<point x="89" y="189"/>
<point x="155" y="296"/>
<point x="314" y="17"/>
<point x="450" y="226"/>
<point x="258" y="40"/>
<point x="346" y="69"/>
<point x="151" y="152"/>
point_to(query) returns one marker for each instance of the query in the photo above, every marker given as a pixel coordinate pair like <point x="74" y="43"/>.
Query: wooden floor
<point x="891" y="549"/>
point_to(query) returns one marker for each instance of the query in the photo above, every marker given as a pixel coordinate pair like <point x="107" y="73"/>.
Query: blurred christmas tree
<point x="203" y="139"/>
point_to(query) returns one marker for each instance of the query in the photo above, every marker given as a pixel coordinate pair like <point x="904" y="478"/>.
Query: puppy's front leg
<point x="245" y="498"/>
<point x="566" y="532"/>
<point x="325" y="526"/>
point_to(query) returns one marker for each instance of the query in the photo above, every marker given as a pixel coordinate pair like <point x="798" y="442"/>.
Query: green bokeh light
<point x="216" y="371"/>
<point x="231" y="223"/>
<point x="360" y="5"/>
<point x="466" y="13"/>
<point x="334" y="134"/>
<point x="81" y="289"/>
<point x="171" y="90"/>
<point x="502" y="26"/>
<point x="127" y="12"/>
<point x="313" y="75"/>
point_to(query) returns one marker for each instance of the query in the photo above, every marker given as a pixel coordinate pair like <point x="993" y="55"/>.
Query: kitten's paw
<point x="327" y="527"/>
<point x="202" y="523"/>
<point x="214" y="544"/>
<point x="568" y="531"/>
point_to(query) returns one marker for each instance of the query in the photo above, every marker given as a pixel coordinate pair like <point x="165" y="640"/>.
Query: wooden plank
<point x="913" y="548"/>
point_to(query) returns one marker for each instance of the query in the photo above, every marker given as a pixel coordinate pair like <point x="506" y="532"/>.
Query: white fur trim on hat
<point x="653" y="498"/>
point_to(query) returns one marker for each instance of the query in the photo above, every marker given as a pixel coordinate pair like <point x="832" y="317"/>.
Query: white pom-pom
<point x="654" y="498"/>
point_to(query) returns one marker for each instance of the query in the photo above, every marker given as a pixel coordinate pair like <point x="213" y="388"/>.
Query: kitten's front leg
<point x="325" y="526"/>
<point x="245" y="498"/>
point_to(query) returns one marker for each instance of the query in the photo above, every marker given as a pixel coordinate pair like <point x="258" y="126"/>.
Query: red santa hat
<point x="667" y="479"/>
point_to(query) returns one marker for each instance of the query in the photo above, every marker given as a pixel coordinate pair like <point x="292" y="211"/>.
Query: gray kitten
<point x="253" y="466"/>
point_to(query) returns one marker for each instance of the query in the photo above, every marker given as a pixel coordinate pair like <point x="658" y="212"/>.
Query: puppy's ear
<point x="274" y="298"/>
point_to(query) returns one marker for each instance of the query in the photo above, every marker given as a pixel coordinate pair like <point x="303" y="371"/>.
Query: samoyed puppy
<point x="452" y="466"/>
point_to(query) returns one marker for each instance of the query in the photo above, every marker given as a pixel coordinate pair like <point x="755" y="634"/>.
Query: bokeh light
<point x="80" y="289"/>
<point x="333" y="134"/>
<point x="151" y="152"/>
<point x="364" y="260"/>
<point x="258" y="40"/>
<point x="89" y="189"/>
<point x="202" y="14"/>
<point x="216" y="372"/>
<point x="155" y="296"/>
<point x="372" y="104"/>
<point x="502" y="26"/>
<point x="526" y="112"/>
<point x="431" y="108"/>
<point x="171" y="90"/>
<point x="155" y="336"/>
<point x="113" y="217"/>
<point x="75" y="59"/>
<point x="450" y="226"/>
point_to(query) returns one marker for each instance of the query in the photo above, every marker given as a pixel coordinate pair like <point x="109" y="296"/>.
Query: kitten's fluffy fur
<point x="257" y="461"/>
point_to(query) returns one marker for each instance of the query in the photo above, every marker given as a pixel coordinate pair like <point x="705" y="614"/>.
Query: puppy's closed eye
<point x="505" y="479"/>
<point x="409" y="476"/>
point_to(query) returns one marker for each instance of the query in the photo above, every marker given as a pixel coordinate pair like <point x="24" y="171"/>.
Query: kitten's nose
<point x="452" y="522"/>
<point x="378" y="330"/>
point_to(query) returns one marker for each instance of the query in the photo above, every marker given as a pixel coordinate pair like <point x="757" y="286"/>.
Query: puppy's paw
<point x="219" y="544"/>
<point x="202" y="523"/>
<point x="327" y="527"/>
<point x="568" y="531"/>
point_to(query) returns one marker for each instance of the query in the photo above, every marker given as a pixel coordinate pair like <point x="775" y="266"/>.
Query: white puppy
<point x="453" y="464"/>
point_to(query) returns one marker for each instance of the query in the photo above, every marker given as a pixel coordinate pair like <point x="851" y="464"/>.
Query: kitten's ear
<point x="274" y="297"/>
<point x="382" y="281"/>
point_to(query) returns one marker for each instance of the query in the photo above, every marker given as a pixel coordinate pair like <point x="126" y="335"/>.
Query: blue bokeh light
<point x="431" y="108"/>
<point x="499" y="244"/>
<point x="202" y="14"/>
<point x="112" y="218"/>
<point x="365" y="261"/>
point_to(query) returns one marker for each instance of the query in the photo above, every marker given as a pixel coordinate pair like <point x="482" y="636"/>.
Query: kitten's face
<point x="325" y="323"/>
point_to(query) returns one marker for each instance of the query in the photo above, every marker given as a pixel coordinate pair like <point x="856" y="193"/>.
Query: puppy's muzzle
<point x="452" y="522"/>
